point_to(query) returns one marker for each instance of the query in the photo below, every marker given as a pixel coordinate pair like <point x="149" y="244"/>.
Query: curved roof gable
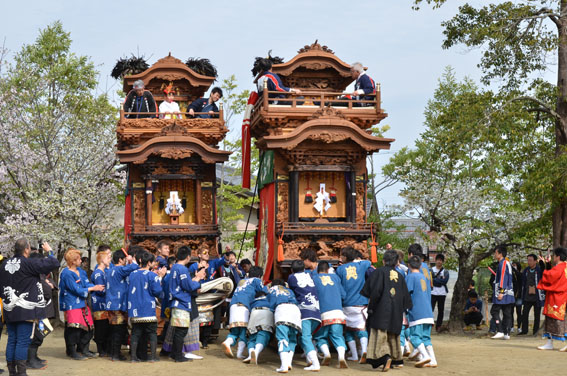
<point x="171" y="69"/>
<point x="316" y="67"/>
<point x="174" y="142"/>
<point x="328" y="127"/>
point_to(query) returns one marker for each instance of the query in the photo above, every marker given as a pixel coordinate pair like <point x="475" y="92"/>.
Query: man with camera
<point x="24" y="302"/>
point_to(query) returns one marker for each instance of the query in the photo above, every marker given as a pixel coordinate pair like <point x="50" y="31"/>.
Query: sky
<point x="401" y="47"/>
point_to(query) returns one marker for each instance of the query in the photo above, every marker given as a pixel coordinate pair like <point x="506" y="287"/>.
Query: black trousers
<point x="119" y="333"/>
<point x="78" y="339"/>
<point x="142" y="334"/>
<point x="526" y="315"/>
<point x="504" y="324"/>
<point x="177" y="345"/>
<point x="102" y="336"/>
<point x="473" y="318"/>
<point x="440" y="301"/>
<point x="518" y="309"/>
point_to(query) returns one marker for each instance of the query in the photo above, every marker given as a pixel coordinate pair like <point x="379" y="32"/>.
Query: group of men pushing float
<point x="383" y="309"/>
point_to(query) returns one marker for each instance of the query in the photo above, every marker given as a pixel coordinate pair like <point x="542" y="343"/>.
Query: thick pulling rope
<point x="250" y="211"/>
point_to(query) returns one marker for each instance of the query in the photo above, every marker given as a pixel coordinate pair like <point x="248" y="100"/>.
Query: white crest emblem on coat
<point x="304" y="280"/>
<point x="12" y="265"/>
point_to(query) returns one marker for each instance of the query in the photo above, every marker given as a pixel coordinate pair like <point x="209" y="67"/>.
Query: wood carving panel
<point x="149" y="243"/>
<point x="283" y="198"/>
<point x="139" y="210"/>
<point x="360" y="209"/>
<point x="326" y="248"/>
<point x="207" y="203"/>
<point x="359" y="246"/>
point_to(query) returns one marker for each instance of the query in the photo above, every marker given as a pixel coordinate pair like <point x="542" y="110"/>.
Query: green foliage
<point x="519" y="40"/>
<point x="57" y="151"/>
<point x="388" y="231"/>
<point x="233" y="200"/>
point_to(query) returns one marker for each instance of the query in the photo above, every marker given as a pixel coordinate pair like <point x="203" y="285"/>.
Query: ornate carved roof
<point x="315" y="67"/>
<point x="173" y="143"/>
<point x="326" y="128"/>
<point x="170" y="69"/>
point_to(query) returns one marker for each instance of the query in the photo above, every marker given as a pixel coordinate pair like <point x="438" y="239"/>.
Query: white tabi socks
<point x="363" y="349"/>
<point x="257" y="351"/>
<point x="353" y="351"/>
<point x="406" y="350"/>
<point x="414" y="355"/>
<point x="547" y="346"/>
<point x="326" y="355"/>
<point x="424" y="356"/>
<point x="431" y="353"/>
<point x="342" y="362"/>
<point x="226" y="347"/>
<point x="289" y="360"/>
<point x="312" y="358"/>
<point x="240" y="351"/>
<point x="284" y="368"/>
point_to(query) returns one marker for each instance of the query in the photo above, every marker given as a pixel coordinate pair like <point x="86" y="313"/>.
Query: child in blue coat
<point x="144" y="286"/>
<point x="240" y="305"/>
<point x="331" y="294"/>
<point x="116" y="299"/>
<point x="353" y="275"/>
<point x="301" y="283"/>
<point x="420" y="316"/>
<point x="260" y="325"/>
<point x="181" y="286"/>
<point x="287" y="317"/>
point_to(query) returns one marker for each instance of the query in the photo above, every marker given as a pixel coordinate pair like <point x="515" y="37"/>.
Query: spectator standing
<point x="503" y="296"/>
<point x="439" y="291"/>
<point x="517" y="283"/>
<point x="532" y="297"/>
<point x="23" y="300"/>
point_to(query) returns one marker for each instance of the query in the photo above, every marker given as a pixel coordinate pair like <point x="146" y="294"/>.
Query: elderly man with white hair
<point x="140" y="102"/>
<point x="363" y="86"/>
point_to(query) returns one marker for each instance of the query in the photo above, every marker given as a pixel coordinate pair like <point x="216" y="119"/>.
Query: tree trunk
<point x="467" y="264"/>
<point x="560" y="203"/>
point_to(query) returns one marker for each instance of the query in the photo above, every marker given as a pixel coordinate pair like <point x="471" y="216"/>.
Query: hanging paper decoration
<point x="333" y="190"/>
<point x="308" y="194"/>
<point x="322" y="200"/>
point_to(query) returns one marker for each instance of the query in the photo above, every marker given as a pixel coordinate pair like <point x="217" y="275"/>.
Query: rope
<point x="250" y="211"/>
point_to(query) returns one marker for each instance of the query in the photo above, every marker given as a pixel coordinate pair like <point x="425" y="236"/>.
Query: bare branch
<point x="544" y="108"/>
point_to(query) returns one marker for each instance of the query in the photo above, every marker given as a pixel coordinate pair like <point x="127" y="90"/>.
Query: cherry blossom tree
<point x="58" y="173"/>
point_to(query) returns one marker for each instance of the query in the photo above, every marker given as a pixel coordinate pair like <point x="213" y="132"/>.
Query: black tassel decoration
<point x="129" y="66"/>
<point x="202" y="66"/>
<point x="259" y="67"/>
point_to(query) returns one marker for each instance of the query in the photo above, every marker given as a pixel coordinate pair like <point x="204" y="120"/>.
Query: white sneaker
<point x="564" y="349"/>
<point x="506" y="336"/>
<point x="193" y="356"/>
<point x="512" y="330"/>
<point x="498" y="335"/>
<point x="548" y="345"/>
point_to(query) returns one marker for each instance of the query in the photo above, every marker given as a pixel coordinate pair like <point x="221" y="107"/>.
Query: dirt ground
<point x="457" y="355"/>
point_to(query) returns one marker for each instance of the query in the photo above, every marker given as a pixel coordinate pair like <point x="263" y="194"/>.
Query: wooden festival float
<point x="313" y="176"/>
<point x="171" y="160"/>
